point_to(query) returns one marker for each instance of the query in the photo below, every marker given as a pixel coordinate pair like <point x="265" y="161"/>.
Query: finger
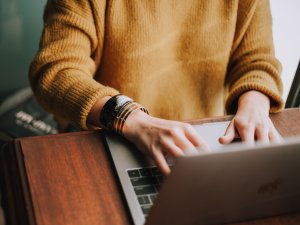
<point x="275" y="137"/>
<point x="262" y="134"/>
<point x="229" y="134"/>
<point x="182" y="142"/>
<point x="169" y="147"/>
<point x="193" y="136"/>
<point x="185" y="145"/>
<point x="161" y="162"/>
<point x="247" y="134"/>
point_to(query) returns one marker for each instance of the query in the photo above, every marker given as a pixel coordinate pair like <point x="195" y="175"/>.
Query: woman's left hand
<point x="252" y="122"/>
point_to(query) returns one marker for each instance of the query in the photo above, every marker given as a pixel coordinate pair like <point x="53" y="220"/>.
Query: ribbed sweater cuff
<point x="85" y="101"/>
<point x="259" y="81"/>
<point x="73" y="97"/>
<point x="82" y="98"/>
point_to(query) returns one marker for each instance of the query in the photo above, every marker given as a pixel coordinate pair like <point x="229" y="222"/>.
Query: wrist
<point x="116" y="111"/>
<point x="93" y="116"/>
<point x="254" y="98"/>
<point x="135" y="119"/>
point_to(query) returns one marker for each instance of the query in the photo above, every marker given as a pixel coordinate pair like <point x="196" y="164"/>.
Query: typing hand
<point x="159" y="137"/>
<point x="252" y="120"/>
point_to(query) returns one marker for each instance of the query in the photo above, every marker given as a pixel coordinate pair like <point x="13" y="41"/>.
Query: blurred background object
<point x="22" y="116"/>
<point x="293" y="99"/>
<point x="20" y="28"/>
<point x="286" y="34"/>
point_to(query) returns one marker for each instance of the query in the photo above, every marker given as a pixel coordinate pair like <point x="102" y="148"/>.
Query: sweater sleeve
<point x="61" y="74"/>
<point x="253" y="65"/>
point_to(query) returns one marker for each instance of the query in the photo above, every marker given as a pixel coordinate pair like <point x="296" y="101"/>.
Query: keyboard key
<point x="145" y="172"/>
<point x="157" y="186"/>
<point x="146" y="209"/>
<point x="153" y="198"/>
<point x="144" y="190"/>
<point x="144" y="200"/>
<point x="160" y="179"/>
<point x="133" y="173"/>
<point x="155" y="171"/>
<point x="141" y="181"/>
<point x="236" y="139"/>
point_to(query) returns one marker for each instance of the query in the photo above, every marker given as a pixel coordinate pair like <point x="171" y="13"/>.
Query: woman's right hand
<point x="158" y="137"/>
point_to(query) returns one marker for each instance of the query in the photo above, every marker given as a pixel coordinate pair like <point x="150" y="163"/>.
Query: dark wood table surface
<point x="69" y="179"/>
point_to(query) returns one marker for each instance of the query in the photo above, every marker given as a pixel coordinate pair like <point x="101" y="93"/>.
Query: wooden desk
<point x="68" y="179"/>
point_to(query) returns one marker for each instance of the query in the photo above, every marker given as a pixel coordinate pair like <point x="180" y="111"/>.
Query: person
<point x="177" y="60"/>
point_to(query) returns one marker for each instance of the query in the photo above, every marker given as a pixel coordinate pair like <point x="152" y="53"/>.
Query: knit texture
<point x="180" y="59"/>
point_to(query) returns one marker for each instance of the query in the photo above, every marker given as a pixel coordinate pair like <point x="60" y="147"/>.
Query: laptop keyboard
<point x="146" y="183"/>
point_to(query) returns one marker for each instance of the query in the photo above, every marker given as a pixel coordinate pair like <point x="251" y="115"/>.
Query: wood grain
<point x="71" y="179"/>
<point x="287" y="122"/>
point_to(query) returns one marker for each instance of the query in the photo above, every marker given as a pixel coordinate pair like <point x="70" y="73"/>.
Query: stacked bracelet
<point x="116" y="110"/>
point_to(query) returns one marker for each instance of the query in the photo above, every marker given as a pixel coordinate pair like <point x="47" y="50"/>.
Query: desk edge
<point x="16" y="197"/>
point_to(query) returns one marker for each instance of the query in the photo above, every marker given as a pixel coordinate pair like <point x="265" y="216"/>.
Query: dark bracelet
<point x="116" y="110"/>
<point x="111" y="109"/>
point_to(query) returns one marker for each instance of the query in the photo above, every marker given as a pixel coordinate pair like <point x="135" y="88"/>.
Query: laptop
<point x="229" y="184"/>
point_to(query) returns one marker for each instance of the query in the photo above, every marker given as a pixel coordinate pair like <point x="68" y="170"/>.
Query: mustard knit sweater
<point x="180" y="59"/>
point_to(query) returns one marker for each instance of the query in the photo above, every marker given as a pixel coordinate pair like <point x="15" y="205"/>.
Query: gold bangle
<point x="138" y="107"/>
<point x="124" y="113"/>
<point x="133" y="108"/>
<point x="118" y="121"/>
<point x="116" y="110"/>
<point x="119" y="115"/>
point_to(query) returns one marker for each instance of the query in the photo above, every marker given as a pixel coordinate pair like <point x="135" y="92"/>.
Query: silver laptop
<point x="229" y="184"/>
